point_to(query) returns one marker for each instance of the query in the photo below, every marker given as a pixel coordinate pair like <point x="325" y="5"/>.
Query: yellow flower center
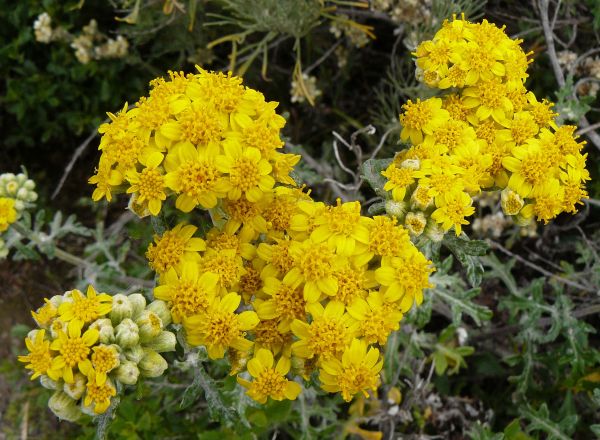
<point x="244" y="174"/>
<point x="225" y="266"/>
<point x="350" y="285"/>
<point x="343" y="219"/>
<point x="563" y="138"/>
<point x="542" y="113"/>
<point x="225" y="91"/>
<point x="413" y="274"/>
<point x="166" y="253"/>
<point x="327" y="337"/>
<point x="267" y="335"/>
<point x="399" y="176"/>
<point x="104" y="359"/>
<point x="74" y="350"/>
<point x="99" y="393"/>
<point x="376" y="327"/>
<point x="354" y="379"/>
<point x="151" y="184"/>
<point x="487" y="131"/>
<point x="201" y="126"/>
<point x="415" y="222"/>
<point x="263" y="138"/>
<point x="479" y="59"/>
<point x="188" y="299"/>
<point x="85" y="309"/>
<point x="280" y="212"/>
<point x="40" y="359"/>
<point x="523" y="129"/>
<point x="250" y="282"/>
<point x="456" y="76"/>
<point x="241" y="210"/>
<point x="221" y="328"/>
<point x="289" y="302"/>
<point x="534" y="168"/>
<point x="45" y="314"/>
<point x="197" y="177"/>
<point x="280" y="257"/>
<point x="454" y="105"/>
<point x="223" y="241"/>
<point x="269" y="383"/>
<point x="316" y="262"/>
<point x="491" y="94"/>
<point x="386" y="239"/>
<point x="547" y="207"/>
<point x="153" y="111"/>
<point x="416" y="114"/>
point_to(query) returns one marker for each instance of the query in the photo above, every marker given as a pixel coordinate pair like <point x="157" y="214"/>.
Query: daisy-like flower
<point x="399" y="180"/>
<point x="173" y="248"/>
<point x="269" y="380"/>
<point x="105" y="358"/>
<point x="248" y="172"/>
<point x="148" y="186"/>
<point x="98" y="395"/>
<point x="74" y="349"/>
<point x="530" y="168"/>
<point x="420" y="118"/>
<point x="192" y="173"/>
<point x="84" y="309"/>
<point x="358" y="371"/>
<point x="220" y="328"/>
<point x="330" y="331"/>
<point x="343" y="228"/>
<point x="45" y="314"/>
<point x="187" y="294"/>
<point x="453" y="209"/>
<point x="39" y="359"/>
<point x="490" y="99"/>
<point x="285" y="302"/>
<point x="404" y="278"/>
<point x="376" y="318"/>
<point x="8" y="213"/>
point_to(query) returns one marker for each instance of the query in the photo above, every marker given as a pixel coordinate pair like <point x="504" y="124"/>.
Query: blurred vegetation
<point x="504" y="347"/>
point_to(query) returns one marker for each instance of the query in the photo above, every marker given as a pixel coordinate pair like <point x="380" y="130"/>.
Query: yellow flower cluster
<point x="487" y="133"/>
<point x="88" y="346"/>
<point x="8" y="213"/>
<point x="202" y="138"/>
<point x="281" y="283"/>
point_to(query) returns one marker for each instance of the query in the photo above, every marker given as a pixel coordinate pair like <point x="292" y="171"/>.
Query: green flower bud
<point x="152" y="364"/>
<point x="105" y="329"/>
<point x="20" y="178"/>
<point x="56" y="300"/>
<point x="127" y="373"/>
<point x="138" y="304"/>
<point x="165" y="341"/>
<point x="29" y="184"/>
<point x="121" y="309"/>
<point x="3" y="249"/>
<point x="19" y="205"/>
<point x="134" y="354"/>
<point x="415" y="222"/>
<point x="162" y="310"/>
<point x="395" y="209"/>
<point x="22" y="194"/>
<point x="434" y="231"/>
<point x="75" y="389"/>
<point x="48" y="383"/>
<point x="64" y="407"/>
<point x="127" y="334"/>
<point x="150" y="325"/>
<point x="12" y="187"/>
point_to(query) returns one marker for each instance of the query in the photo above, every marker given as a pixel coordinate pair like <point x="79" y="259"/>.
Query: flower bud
<point x="165" y="341"/>
<point x="434" y="231"/>
<point x="19" y="205"/>
<point x="56" y="300"/>
<point x="127" y="334"/>
<point x="134" y="354"/>
<point x="415" y="222"/>
<point x="105" y="329"/>
<point x="29" y="185"/>
<point x="511" y="202"/>
<point x="127" y="373"/>
<point x="48" y="383"/>
<point x="162" y="310"/>
<point x="420" y="198"/>
<point x="75" y="389"/>
<point x="64" y="407"/>
<point x="152" y="364"/>
<point x="121" y="309"/>
<point x="150" y="325"/>
<point x="22" y="194"/>
<point x="12" y="187"/>
<point x="395" y="209"/>
<point x="20" y="178"/>
<point x="138" y="304"/>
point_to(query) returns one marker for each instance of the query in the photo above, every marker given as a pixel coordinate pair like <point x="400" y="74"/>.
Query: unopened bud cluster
<point x="88" y="347"/>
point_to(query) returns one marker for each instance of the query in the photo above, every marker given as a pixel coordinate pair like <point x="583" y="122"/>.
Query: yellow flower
<point x="98" y="394"/>
<point x="343" y="228"/>
<point x="244" y="216"/>
<point x="248" y="172"/>
<point x="530" y="168"/>
<point x="105" y="358"/>
<point x="421" y="117"/>
<point x="454" y="207"/>
<point x="40" y="356"/>
<point x="105" y="180"/>
<point x="192" y="173"/>
<point x="399" y="180"/>
<point x="386" y="237"/>
<point x="481" y="62"/>
<point x="277" y="256"/>
<point x="74" y="349"/>
<point x="174" y="248"/>
<point x="404" y="278"/>
<point x="8" y="213"/>
<point x="220" y="327"/>
<point x="187" y="294"/>
<point x="376" y="318"/>
<point x="327" y="335"/>
<point x="148" y="185"/>
<point x="549" y="200"/>
<point x="314" y="265"/>
<point x="45" y="314"/>
<point x="85" y="309"/>
<point x="269" y="381"/>
<point x="358" y="371"/>
<point x="489" y="97"/>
